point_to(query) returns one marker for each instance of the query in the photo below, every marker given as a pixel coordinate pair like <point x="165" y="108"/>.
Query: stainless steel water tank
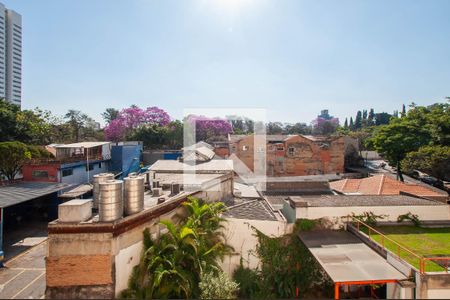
<point x="102" y="177"/>
<point x="110" y="200"/>
<point x="133" y="194"/>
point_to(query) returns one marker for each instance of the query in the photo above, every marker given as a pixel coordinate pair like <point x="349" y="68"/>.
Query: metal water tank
<point x="102" y="177"/>
<point x="110" y="200"/>
<point x="133" y="194"/>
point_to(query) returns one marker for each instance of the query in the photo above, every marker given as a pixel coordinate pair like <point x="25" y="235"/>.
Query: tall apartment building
<point x="10" y="55"/>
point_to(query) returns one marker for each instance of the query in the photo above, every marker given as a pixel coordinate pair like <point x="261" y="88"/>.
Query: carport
<point x="16" y="194"/>
<point x="347" y="260"/>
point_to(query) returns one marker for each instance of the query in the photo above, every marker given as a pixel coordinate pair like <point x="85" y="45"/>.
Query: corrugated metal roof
<point x="25" y="191"/>
<point x="82" y="145"/>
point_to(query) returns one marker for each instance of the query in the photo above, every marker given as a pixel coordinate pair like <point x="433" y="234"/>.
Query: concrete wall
<point x="433" y="286"/>
<point x="424" y="212"/>
<point x="220" y="190"/>
<point x="240" y="236"/>
<point x="95" y="260"/>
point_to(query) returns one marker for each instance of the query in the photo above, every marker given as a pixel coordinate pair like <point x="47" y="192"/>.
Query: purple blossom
<point x="208" y="127"/>
<point x="133" y="117"/>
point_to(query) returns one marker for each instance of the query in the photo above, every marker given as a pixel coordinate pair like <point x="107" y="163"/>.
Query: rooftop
<point x="81" y="145"/>
<point x="346" y="259"/>
<point x="382" y="185"/>
<point x="174" y="166"/>
<point x="190" y="181"/>
<point x="23" y="191"/>
<point x="358" y="200"/>
<point x="251" y="210"/>
<point x="272" y="138"/>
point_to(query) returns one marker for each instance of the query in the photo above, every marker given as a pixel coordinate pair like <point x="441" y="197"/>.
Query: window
<point x="39" y="174"/>
<point x="99" y="165"/>
<point x="91" y="167"/>
<point x="280" y="148"/>
<point x="244" y="148"/>
<point x="291" y="150"/>
<point x="67" y="172"/>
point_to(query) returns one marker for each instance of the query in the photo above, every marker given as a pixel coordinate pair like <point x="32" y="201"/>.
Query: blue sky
<point x="293" y="58"/>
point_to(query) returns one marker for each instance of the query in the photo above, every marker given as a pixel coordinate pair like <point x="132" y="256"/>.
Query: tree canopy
<point x="13" y="155"/>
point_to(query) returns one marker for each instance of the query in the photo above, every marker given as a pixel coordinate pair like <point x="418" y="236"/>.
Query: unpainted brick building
<point x="293" y="155"/>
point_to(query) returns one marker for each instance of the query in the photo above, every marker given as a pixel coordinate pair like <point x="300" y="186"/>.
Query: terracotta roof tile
<point x="381" y="185"/>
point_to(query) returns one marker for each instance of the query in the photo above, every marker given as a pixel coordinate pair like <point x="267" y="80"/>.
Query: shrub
<point x="409" y="216"/>
<point x="248" y="281"/>
<point x="217" y="286"/>
<point x="369" y="218"/>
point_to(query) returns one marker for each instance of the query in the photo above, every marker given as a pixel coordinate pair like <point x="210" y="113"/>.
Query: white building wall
<point x="241" y="237"/>
<point x="424" y="212"/>
<point x="13" y="57"/>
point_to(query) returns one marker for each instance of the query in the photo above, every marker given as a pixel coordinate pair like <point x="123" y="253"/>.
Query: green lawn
<point x="422" y="241"/>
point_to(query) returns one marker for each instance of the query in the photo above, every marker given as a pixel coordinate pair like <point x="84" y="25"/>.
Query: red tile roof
<point x="382" y="185"/>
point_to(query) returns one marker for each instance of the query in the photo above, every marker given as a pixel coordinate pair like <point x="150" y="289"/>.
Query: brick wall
<point x="296" y="156"/>
<point x="51" y="169"/>
<point x="79" y="270"/>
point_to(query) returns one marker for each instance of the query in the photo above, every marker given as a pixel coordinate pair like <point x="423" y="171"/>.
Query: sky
<point x="290" y="57"/>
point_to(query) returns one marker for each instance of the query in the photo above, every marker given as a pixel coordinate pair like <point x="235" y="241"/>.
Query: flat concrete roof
<point x="345" y="258"/>
<point x="212" y="166"/>
<point x="24" y="191"/>
<point x="246" y="191"/>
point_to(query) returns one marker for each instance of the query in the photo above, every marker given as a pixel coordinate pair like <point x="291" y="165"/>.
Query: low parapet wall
<point x="95" y="260"/>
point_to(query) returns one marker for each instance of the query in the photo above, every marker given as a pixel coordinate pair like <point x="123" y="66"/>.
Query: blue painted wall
<point x="126" y="158"/>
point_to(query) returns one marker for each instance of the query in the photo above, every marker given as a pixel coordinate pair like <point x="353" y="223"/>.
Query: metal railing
<point x="399" y="247"/>
<point x="65" y="160"/>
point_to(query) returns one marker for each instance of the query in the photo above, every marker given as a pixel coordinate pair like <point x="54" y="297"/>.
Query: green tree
<point x="274" y="128"/>
<point x="171" y="266"/>
<point x="110" y="114"/>
<point x="8" y="120"/>
<point x="13" y="155"/>
<point x="403" y="113"/>
<point x="400" y="137"/>
<point x="358" y="120"/>
<point x="346" y="123"/>
<point x="434" y="160"/>
<point x="351" y="125"/>
<point x="33" y="126"/>
<point x="382" y="118"/>
<point x="371" y="117"/>
<point x="76" y="119"/>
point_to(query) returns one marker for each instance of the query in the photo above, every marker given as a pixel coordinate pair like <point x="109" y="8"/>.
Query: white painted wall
<point x="424" y="212"/>
<point x="125" y="260"/>
<point x="439" y="294"/>
<point x="241" y="237"/>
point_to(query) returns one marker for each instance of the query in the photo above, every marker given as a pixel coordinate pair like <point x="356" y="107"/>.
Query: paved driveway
<point x="23" y="276"/>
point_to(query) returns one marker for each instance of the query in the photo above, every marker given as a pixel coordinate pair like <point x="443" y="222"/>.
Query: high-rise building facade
<point x="10" y="55"/>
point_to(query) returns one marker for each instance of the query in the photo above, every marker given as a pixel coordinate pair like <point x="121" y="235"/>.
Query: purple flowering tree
<point x="206" y="128"/>
<point x="132" y="118"/>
